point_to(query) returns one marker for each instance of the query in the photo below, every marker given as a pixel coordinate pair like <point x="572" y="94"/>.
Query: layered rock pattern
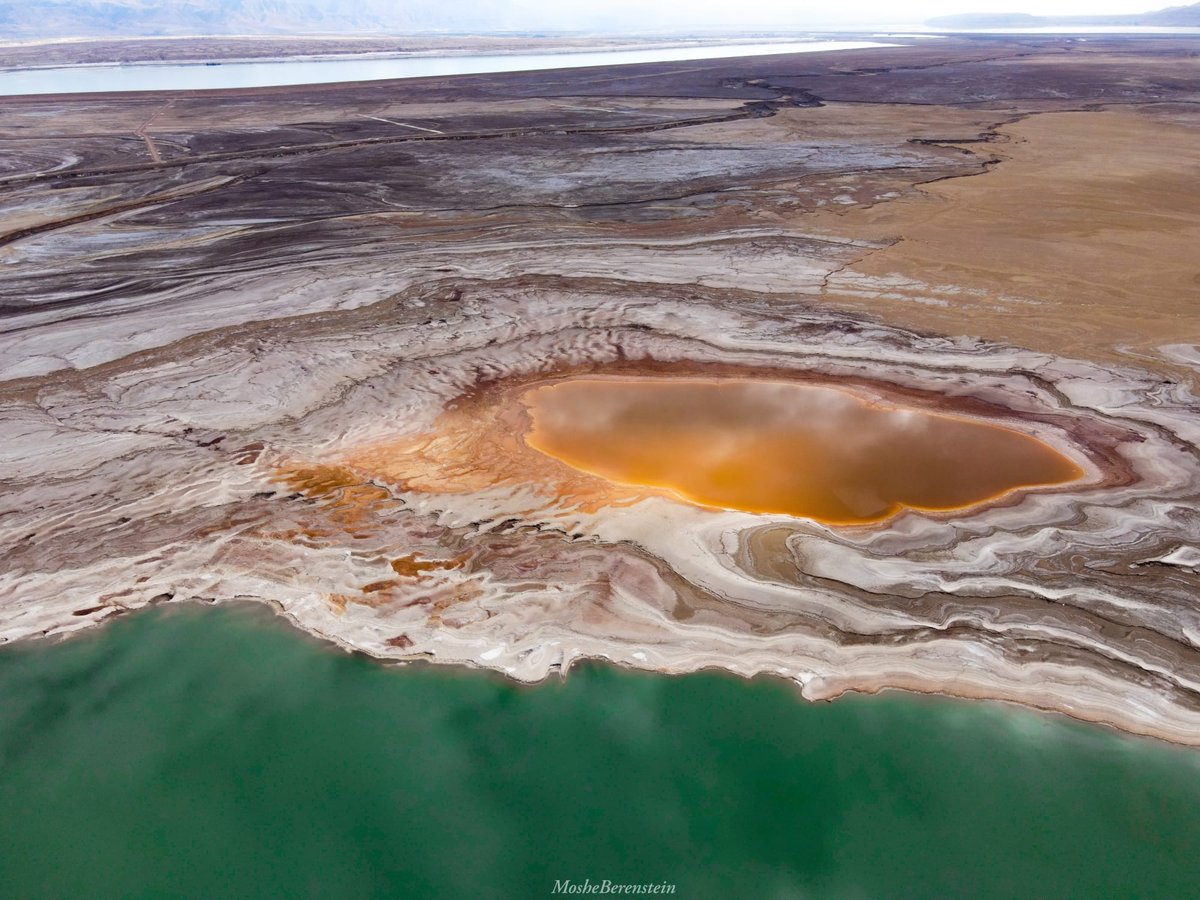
<point x="270" y="346"/>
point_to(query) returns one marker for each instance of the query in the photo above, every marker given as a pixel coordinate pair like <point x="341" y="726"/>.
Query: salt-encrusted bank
<point x="281" y="364"/>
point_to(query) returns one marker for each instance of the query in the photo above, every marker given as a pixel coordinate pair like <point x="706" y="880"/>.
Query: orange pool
<point x="779" y="447"/>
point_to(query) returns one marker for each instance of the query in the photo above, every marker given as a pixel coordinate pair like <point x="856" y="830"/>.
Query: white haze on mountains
<point x="46" y="18"/>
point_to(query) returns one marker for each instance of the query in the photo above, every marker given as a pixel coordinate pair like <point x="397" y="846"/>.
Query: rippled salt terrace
<point x="820" y="366"/>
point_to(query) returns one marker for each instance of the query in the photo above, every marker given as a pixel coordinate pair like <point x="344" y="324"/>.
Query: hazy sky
<point x="658" y="13"/>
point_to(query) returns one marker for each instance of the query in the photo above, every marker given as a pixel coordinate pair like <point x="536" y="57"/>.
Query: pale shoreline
<point x="249" y="74"/>
<point x="222" y="49"/>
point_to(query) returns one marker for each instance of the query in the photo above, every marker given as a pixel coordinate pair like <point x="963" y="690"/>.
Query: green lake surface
<point x="201" y="752"/>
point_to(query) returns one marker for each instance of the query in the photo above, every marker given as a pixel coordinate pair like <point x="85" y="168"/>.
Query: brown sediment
<point x="287" y="363"/>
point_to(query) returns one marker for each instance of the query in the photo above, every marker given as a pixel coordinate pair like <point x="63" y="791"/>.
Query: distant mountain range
<point x="48" y="19"/>
<point x="32" y="19"/>
<point x="1175" y="16"/>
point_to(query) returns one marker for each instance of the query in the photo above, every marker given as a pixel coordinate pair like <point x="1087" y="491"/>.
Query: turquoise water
<point x="199" y="752"/>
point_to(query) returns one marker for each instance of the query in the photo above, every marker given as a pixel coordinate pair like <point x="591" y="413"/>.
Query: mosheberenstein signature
<point x="587" y="886"/>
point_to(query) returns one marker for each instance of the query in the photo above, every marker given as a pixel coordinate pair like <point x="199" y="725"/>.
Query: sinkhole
<point x="767" y="446"/>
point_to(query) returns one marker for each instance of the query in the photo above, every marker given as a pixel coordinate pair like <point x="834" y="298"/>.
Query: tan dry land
<point x="1083" y="239"/>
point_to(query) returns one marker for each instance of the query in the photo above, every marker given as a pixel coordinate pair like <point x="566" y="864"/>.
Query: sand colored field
<point x="1084" y="240"/>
